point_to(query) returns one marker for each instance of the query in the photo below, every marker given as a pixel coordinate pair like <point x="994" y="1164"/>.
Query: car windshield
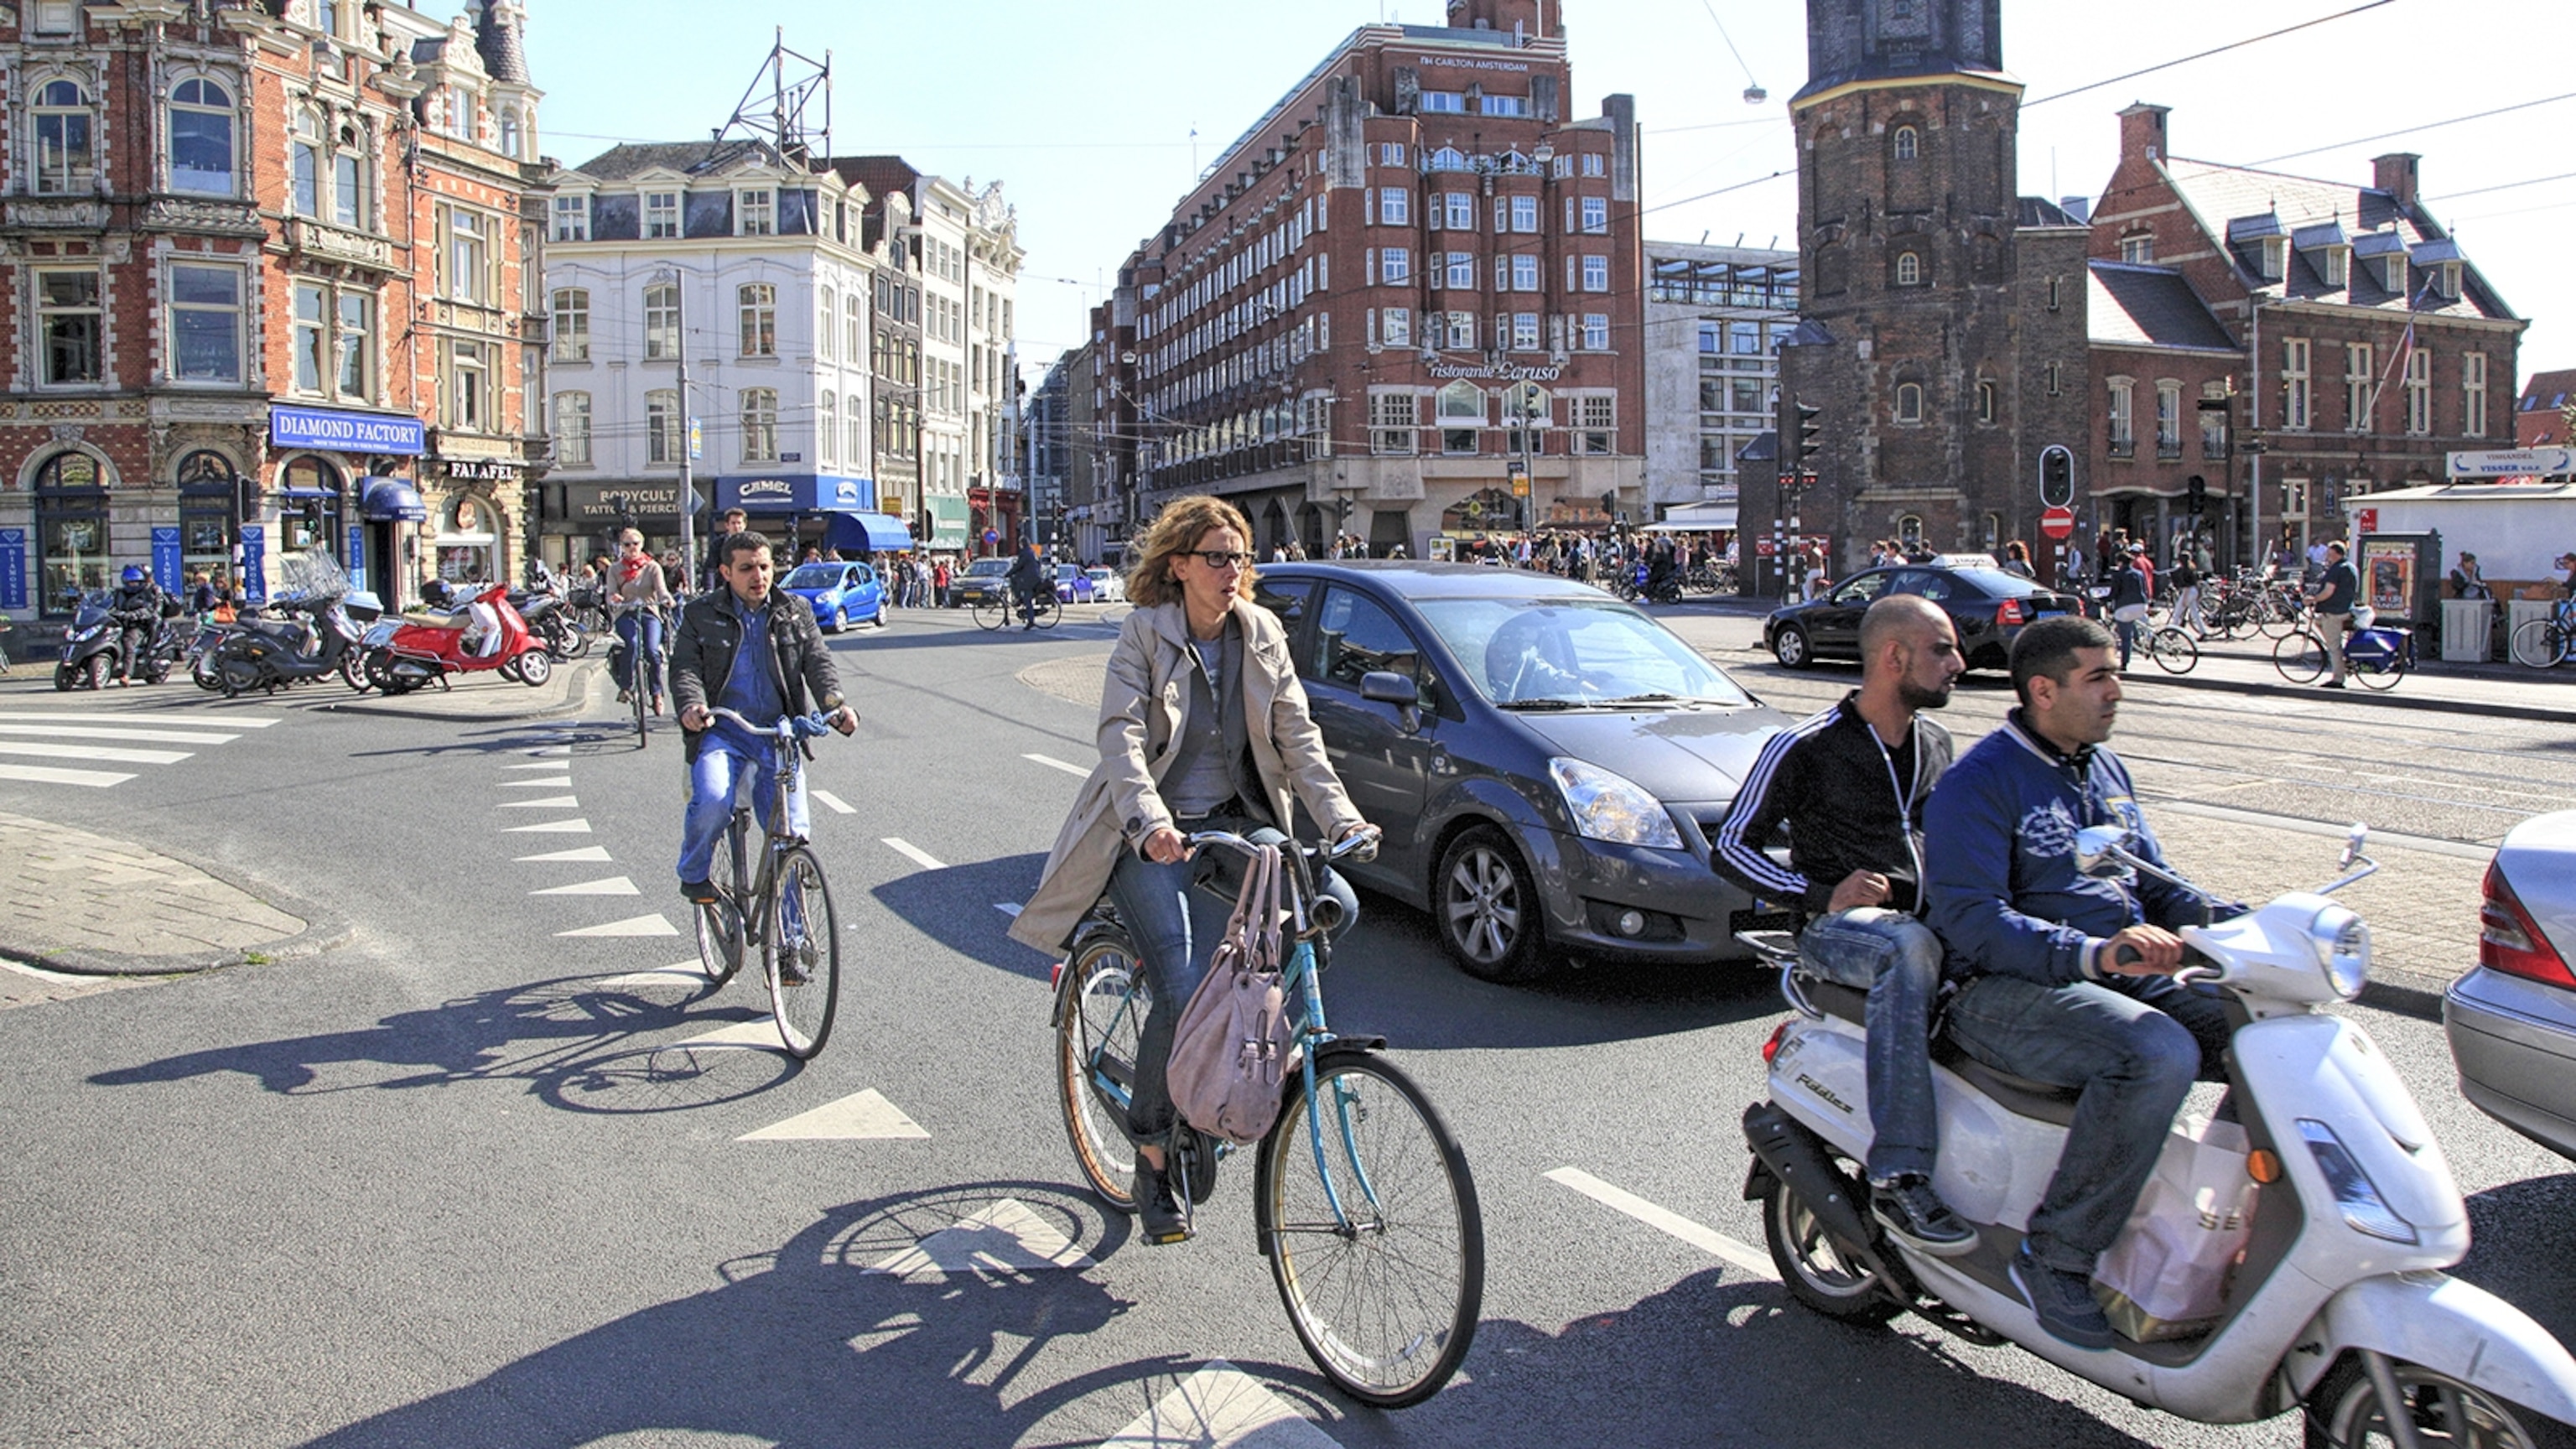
<point x="1566" y="653"/>
<point x="814" y="576"/>
<point x="988" y="566"/>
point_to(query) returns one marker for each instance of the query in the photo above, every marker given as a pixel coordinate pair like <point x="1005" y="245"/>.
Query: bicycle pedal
<point x="1165" y="1240"/>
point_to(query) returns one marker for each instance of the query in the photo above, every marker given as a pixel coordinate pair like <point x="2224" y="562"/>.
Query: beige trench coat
<point x="1142" y="709"/>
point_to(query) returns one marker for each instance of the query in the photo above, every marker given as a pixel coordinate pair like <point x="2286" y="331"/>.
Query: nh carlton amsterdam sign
<point x="342" y="432"/>
<point x="1505" y="372"/>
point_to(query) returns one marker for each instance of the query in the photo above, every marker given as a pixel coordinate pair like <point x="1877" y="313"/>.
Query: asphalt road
<point x="456" y="1183"/>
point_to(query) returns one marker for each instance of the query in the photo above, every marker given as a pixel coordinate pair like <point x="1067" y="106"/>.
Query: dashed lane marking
<point x="46" y="716"/>
<point x="586" y="852"/>
<point x="547" y="765"/>
<point x="551" y="827"/>
<point x="652" y="925"/>
<point x="1001" y="1238"/>
<point x="862" y="1115"/>
<point x="1221" y="1407"/>
<point x="761" y="1034"/>
<point x="832" y="802"/>
<point x="615" y="885"/>
<point x="551" y="802"/>
<point x="1707" y="1239"/>
<point x="100" y="753"/>
<point x="93" y="732"/>
<point x="556" y="782"/>
<point x="48" y="775"/>
<point x="914" y="853"/>
<point x="1052" y="763"/>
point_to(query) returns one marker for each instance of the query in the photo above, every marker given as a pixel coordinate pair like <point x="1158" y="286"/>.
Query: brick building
<point x="1943" y="339"/>
<point x="266" y="291"/>
<point x="1416" y="274"/>
<point x="2540" y="417"/>
<point x="2314" y="286"/>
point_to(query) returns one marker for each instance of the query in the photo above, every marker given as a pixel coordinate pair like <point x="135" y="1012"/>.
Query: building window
<point x="2276" y="258"/>
<point x="2294" y="498"/>
<point x="2139" y="249"/>
<point x="2168" y="420"/>
<point x="1461" y="330"/>
<point x="468" y="393"/>
<point x="1394" y="205"/>
<point x="1909" y="402"/>
<point x="827" y="427"/>
<point x="1596" y="274"/>
<point x="469" y="256"/>
<point x="312" y="331"/>
<point x="68" y="315"/>
<point x="357" y="346"/>
<point x="572" y="429"/>
<point x="756" y="303"/>
<point x="1592" y="164"/>
<point x="2419" y="392"/>
<point x="1986" y="399"/>
<point x="2357" y="380"/>
<point x="1525" y="213"/>
<point x="759" y="425"/>
<point x="1390" y="153"/>
<point x="1398" y="326"/>
<point x="572" y="324"/>
<point x="1449" y="103"/>
<point x="857" y="455"/>
<point x="1525" y="331"/>
<point x="2297" y="403"/>
<point x="755" y="213"/>
<point x="1461" y="404"/>
<point x="1909" y="269"/>
<point x="349" y="189"/>
<point x="572" y="218"/>
<point x="456" y="112"/>
<point x="65" y="129"/>
<point x="854" y="330"/>
<point x="1596" y="331"/>
<point x="2473" y="390"/>
<point x="201" y="138"/>
<point x="71" y="528"/>
<point x="826" y="327"/>
<point x="1457" y="212"/>
<point x="1596" y="214"/>
<point x="1395" y="265"/>
<point x="1506" y="105"/>
<point x="661" y="322"/>
<point x="205" y="324"/>
<point x="661" y="215"/>
<point x="2213" y="432"/>
<point x="1909" y="143"/>
<point x="1595" y="420"/>
<point x="2122" y="420"/>
<point x="662" y="426"/>
<point x="2056" y="379"/>
<point x="510" y="140"/>
<point x="304" y="182"/>
<point x="1458" y="270"/>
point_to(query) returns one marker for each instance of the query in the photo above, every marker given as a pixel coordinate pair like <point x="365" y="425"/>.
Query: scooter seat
<point x="2021" y="1096"/>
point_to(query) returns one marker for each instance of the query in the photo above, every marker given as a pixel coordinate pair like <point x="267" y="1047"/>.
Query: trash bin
<point x="2468" y="630"/>
<point x="2519" y="612"/>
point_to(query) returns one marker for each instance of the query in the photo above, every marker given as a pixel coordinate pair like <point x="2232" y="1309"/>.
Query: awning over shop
<point x="306" y="495"/>
<point x="950" y="520"/>
<point x="867" y="533"/>
<point x="391" y="500"/>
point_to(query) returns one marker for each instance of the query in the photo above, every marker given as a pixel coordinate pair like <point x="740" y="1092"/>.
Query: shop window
<point x="469" y="541"/>
<point x="201" y="138"/>
<point x="310" y="506"/>
<point x="209" y="504"/>
<point x="71" y="529"/>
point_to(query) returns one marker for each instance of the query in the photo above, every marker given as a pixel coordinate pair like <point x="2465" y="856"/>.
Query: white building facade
<point x="1714" y="319"/>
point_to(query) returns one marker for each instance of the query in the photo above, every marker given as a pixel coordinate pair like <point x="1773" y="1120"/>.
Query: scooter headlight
<point x="2342" y="944"/>
<point x="2364" y="1210"/>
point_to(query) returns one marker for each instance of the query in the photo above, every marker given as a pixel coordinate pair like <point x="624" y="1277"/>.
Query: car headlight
<point x="1612" y="807"/>
<point x="2364" y="1210"/>
<point x="2342" y="945"/>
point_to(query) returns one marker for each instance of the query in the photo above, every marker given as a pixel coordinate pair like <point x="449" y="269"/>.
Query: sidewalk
<point x="480" y="697"/>
<point x="94" y="905"/>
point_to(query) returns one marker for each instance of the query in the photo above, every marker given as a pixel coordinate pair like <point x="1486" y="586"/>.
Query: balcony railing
<point x="2124" y="447"/>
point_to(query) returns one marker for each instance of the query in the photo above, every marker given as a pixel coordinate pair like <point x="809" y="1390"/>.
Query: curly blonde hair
<point x="1176" y="531"/>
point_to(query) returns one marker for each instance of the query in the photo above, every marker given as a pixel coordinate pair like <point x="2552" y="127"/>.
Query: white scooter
<point x="2338" y="1303"/>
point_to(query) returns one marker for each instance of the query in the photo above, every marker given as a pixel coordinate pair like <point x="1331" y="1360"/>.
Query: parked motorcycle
<point x="420" y="652"/>
<point x="91" y="643"/>
<point x="550" y="618"/>
<point x="2328" y="1294"/>
<point x="306" y="639"/>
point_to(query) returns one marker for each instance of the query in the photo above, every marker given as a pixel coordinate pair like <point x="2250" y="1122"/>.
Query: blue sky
<point x="1085" y="111"/>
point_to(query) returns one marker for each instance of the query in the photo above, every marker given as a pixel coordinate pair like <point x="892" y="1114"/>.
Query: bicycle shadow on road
<point x="578" y="1043"/>
<point x="957" y="906"/>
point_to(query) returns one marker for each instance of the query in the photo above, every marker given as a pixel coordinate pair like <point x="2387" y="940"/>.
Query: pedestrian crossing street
<point x="58" y="747"/>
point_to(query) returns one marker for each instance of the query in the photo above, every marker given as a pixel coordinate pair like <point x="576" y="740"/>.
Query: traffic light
<point x="1810" y="429"/>
<point x="2198" y="489"/>
<point x="2056" y="478"/>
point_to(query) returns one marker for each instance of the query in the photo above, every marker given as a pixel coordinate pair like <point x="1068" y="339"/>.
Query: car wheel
<point x="1790" y="647"/>
<point x="1488" y="910"/>
<point x="841" y="619"/>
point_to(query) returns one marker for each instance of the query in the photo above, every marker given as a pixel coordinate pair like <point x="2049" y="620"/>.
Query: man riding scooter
<point x="136" y="612"/>
<point x="2069" y="974"/>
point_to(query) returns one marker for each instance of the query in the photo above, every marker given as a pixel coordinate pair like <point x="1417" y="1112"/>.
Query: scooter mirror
<point x="2352" y="845"/>
<point x="2096" y="852"/>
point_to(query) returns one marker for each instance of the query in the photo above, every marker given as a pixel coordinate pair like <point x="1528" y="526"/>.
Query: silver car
<point x="2512" y="1021"/>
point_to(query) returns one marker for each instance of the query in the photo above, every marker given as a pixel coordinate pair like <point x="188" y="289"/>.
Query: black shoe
<point x="699" y="893"/>
<point x="2331" y="684"/>
<point x="1910" y="1209"/>
<point x="2063" y="1301"/>
<point x="1158" y="1216"/>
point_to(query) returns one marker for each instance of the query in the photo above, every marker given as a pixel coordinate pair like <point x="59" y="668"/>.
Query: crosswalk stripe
<point x="551" y="802"/>
<point x="1221" y="1406"/>
<point x="556" y="782"/>
<point x="615" y="885"/>
<point x="541" y="765"/>
<point x="862" y="1115"/>
<point x="1001" y="1237"/>
<point x="551" y="827"/>
<point x="585" y="852"/>
<point x="47" y="716"/>
<point x="47" y="775"/>
<point x="1055" y="764"/>
<point x="93" y="752"/>
<point x="913" y="853"/>
<point x="760" y="1033"/>
<point x="166" y="737"/>
<point x="832" y="802"/>
<point x="1707" y="1239"/>
<point x="652" y="925"/>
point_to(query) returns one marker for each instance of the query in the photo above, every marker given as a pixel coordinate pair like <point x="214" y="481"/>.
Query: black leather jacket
<point x="711" y="631"/>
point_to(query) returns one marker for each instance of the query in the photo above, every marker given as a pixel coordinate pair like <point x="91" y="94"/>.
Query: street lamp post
<point x="688" y="427"/>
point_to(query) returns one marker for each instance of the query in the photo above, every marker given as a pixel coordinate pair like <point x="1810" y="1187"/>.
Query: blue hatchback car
<point x="841" y="593"/>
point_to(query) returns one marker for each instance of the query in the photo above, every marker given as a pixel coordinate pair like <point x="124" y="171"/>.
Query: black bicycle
<point x="784" y="901"/>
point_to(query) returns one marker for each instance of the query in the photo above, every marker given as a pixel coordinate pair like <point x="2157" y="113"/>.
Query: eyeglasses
<point x="1217" y="560"/>
<point x="628" y="543"/>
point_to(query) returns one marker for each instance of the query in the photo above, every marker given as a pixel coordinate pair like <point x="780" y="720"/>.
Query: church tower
<point x="1942" y="340"/>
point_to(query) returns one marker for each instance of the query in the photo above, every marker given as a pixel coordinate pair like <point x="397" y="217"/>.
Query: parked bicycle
<point x="2545" y="643"/>
<point x="2376" y="657"/>
<point x="2171" y="649"/>
<point x="783" y="901"/>
<point x="1361" y="1197"/>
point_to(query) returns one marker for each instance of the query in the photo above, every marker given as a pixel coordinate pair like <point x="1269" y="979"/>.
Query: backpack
<point x="1232" y="1049"/>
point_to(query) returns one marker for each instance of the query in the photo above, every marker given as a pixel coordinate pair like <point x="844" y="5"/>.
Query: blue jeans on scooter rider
<point x="1849" y="785"/>
<point x="2068" y="976"/>
<point x="759" y="653"/>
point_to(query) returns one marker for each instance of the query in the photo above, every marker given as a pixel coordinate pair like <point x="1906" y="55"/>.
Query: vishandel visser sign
<point x="344" y="432"/>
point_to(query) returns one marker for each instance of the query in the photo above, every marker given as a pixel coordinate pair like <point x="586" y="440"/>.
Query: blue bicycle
<point x="1361" y="1197"/>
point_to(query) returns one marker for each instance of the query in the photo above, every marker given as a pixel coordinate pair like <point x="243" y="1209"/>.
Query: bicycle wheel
<point x="1048" y="611"/>
<point x="2300" y="658"/>
<point x="2172" y="650"/>
<point x="801" y="951"/>
<point x="720" y="926"/>
<point x="639" y="693"/>
<point x="2540" y="643"/>
<point x="990" y="613"/>
<point x="1386" y="1305"/>
<point x="1096" y="1037"/>
<point x="2282" y="620"/>
<point x="2383" y="676"/>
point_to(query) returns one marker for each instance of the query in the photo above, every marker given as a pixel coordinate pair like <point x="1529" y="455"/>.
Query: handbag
<point x="1232" y="1048"/>
<point x="2130" y="613"/>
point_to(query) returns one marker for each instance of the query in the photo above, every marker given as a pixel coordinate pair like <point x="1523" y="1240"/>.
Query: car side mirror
<point x="1385" y="686"/>
<point x="2098" y="850"/>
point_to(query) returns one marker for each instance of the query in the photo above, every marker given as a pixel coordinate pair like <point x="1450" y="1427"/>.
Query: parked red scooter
<point x="421" y="653"/>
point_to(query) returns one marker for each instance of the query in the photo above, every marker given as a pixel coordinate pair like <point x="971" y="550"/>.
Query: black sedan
<point x="1988" y="606"/>
<point x="1547" y="762"/>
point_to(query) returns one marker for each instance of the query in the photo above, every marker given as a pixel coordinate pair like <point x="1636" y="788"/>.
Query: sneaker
<point x="2063" y="1301"/>
<point x="1910" y="1209"/>
<point x="1158" y="1216"/>
<point x="625" y="696"/>
<point x="699" y="893"/>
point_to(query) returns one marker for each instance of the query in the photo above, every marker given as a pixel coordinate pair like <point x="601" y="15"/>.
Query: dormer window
<point x="2446" y="280"/>
<point x="661" y="215"/>
<point x="2139" y="249"/>
<point x="2336" y="263"/>
<point x="1908" y="144"/>
<point x="2393" y="272"/>
<point x="756" y="213"/>
<point x="2276" y="258"/>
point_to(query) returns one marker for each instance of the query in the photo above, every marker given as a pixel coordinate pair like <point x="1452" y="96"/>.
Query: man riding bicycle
<point x="1026" y="578"/>
<point x="755" y="651"/>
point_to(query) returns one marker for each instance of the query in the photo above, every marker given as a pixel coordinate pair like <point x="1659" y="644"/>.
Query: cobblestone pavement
<point x="100" y="904"/>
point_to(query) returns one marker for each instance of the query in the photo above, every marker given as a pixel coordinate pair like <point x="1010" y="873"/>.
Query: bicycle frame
<point x="753" y="899"/>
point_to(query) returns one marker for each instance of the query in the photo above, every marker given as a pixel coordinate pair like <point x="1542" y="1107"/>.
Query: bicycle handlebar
<point x="794" y="726"/>
<point x="1360" y="845"/>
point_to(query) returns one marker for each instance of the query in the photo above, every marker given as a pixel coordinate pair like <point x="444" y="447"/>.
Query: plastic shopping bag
<point x="2166" y="1275"/>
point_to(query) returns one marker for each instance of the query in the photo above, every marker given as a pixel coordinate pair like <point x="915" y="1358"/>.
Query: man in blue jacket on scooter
<point x="2069" y="976"/>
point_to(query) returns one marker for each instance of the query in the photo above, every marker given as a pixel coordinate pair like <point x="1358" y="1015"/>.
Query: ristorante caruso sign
<point x="1507" y="372"/>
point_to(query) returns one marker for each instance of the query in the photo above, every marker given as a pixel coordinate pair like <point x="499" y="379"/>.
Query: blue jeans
<point x="2127" y="629"/>
<point x="2134" y="1046"/>
<point x="1897" y="960"/>
<point x="1174" y="926"/>
<point x="648" y="623"/>
<point x="716" y="779"/>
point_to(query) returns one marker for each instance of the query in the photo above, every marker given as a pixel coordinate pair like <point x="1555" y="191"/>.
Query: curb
<point x="573" y="700"/>
<point x="324" y="930"/>
<point x="2388" y="700"/>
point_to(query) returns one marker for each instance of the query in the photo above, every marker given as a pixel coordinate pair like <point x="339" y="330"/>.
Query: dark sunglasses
<point x="1216" y="560"/>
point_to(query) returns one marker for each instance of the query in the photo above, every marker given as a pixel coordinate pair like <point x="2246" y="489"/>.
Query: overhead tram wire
<point x="2206" y="54"/>
<point x="2411" y="130"/>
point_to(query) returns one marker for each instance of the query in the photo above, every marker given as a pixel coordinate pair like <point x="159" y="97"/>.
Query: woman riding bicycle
<point x="1203" y="726"/>
<point x="638" y="593"/>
